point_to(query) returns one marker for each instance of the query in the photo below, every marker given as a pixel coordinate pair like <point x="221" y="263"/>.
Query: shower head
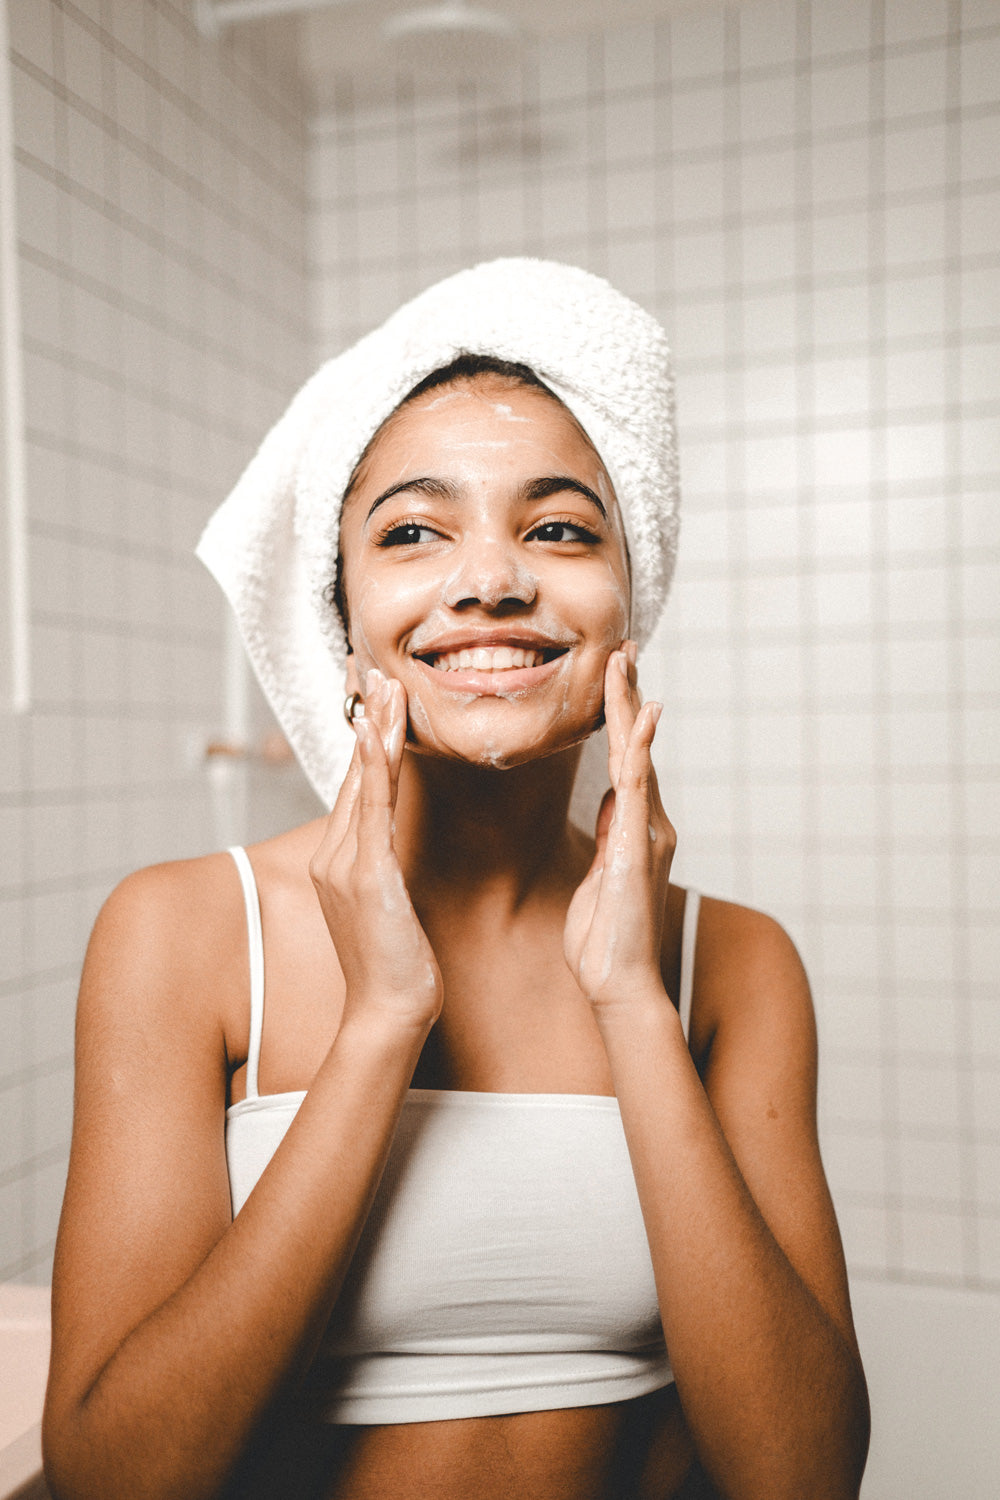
<point x="452" y="38"/>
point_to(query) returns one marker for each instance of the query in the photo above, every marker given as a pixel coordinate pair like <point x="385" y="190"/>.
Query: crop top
<point x="503" y="1266"/>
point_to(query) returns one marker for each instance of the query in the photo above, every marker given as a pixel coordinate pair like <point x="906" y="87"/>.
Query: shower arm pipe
<point x="211" y="16"/>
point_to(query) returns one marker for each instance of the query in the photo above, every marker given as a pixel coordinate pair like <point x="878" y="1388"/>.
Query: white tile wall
<point x="807" y="194"/>
<point x="161" y="207"/>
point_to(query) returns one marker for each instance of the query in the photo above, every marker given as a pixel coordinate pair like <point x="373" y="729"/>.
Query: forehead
<point x="486" y="412"/>
<point x="501" y="395"/>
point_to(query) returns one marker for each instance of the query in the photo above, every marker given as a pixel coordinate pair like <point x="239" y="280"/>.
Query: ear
<point x="352" y="678"/>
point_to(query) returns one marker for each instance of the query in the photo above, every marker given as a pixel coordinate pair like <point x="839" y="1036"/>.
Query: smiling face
<point x="485" y="567"/>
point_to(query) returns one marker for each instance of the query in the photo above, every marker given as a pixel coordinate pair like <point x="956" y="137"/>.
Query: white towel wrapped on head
<point x="272" y="545"/>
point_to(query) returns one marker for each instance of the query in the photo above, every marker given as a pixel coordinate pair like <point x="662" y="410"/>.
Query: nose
<point x="491" y="573"/>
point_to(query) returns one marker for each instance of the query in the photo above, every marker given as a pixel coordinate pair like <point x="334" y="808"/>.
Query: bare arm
<point x="747" y="1259"/>
<point x="745" y="1249"/>
<point x="177" y="1330"/>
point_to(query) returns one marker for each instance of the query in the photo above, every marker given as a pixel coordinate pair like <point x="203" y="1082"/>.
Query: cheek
<point x="367" y="620"/>
<point x="615" y="594"/>
<point x="382" y="607"/>
<point x="599" y="606"/>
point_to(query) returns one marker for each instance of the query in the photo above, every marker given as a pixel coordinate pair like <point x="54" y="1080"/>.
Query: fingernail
<point x="632" y="651"/>
<point x="622" y="663"/>
<point x="656" y="709"/>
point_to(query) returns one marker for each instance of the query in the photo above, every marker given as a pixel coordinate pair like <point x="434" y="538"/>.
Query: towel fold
<point x="272" y="545"/>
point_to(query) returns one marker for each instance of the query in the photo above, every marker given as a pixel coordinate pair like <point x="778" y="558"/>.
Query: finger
<point x="634" y="805"/>
<point x="386" y="702"/>
<point x="632" y="675"/>
<point x="647" y="733"/>
<point x="655" y="800"/>
<point x="637" y="752"/>
<point x="395" y="737"/>
<point x="619" y="711"/>
<point x="340" y="815"/>
<point x="636" y="768"/>
<point x="376" y="699"/>
<point x="631" y="651"/>
<point x="376" y="789"/>
<point x="342" y="826"/>
<point x="605" y="817"/>
<point x="640" y="789"/>
<point x="369" y="834"/>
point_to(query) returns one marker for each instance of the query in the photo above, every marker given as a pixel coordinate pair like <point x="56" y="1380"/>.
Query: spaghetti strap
<point x="255" y="940"/>
<point x="689" y="937"/>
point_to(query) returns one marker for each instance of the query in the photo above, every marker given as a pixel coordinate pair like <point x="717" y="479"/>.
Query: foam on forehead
<point x="463" y="371"/>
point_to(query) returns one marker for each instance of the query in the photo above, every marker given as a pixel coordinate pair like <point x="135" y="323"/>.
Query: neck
<point x="474" y="827"/>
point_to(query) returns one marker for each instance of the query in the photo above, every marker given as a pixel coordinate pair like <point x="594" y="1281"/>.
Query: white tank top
<point x="504" y="1265"/>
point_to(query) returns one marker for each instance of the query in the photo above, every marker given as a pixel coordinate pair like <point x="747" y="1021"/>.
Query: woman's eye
<point x="564" y="531"/>
<point x="406" y="535"/>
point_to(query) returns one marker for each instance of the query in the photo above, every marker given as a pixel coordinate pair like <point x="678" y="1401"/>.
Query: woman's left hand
<point x="614" y="926"/>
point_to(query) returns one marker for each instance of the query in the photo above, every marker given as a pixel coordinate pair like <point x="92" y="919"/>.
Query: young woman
<point x="512" y="1187"/>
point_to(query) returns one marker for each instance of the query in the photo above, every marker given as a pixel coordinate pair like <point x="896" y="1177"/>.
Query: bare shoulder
<point x="751" y="989"/>
<point x="739" y="942"/>
<point x="178" y="908"/>
<point x="169" y="943"/>
<point x="171" y="940"/>
<point x="161" y="897"/>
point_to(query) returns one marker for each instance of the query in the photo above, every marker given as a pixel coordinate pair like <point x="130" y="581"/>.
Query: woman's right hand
<point x="389" y="966"/>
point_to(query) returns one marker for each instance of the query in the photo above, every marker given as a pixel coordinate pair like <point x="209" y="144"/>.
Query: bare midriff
<point x="634" y="1450"/>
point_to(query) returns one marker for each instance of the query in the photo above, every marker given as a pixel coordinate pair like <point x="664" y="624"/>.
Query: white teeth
<point x="486" y="659"/>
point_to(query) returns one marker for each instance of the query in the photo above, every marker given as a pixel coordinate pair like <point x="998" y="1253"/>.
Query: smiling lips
<point x="495" y="666"/>
<point x="488" y="659"/>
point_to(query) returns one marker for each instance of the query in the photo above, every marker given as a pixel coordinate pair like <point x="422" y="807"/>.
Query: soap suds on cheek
<point x="367" y="612"/>
<point x="409" y="599"/>
<point x="420" y="730"/>
<point x="615" y="629"/>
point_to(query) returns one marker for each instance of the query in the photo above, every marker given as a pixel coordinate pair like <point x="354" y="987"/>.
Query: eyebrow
<point x="440" y="489"/>
<point x="535" y="489"/>
<point x="553" y="484"/>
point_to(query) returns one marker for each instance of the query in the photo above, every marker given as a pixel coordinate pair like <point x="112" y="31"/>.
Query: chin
<point x="504" y="751"/>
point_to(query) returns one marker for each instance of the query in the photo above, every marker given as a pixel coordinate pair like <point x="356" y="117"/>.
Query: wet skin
<point x="484" y="519"/>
